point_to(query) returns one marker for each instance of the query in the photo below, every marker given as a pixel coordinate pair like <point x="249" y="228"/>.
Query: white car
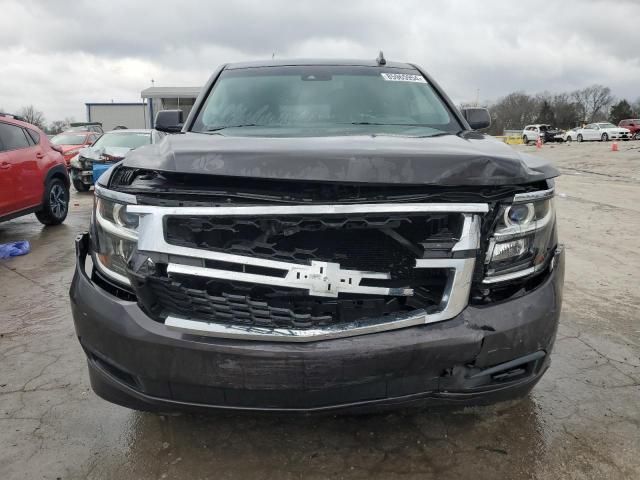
<point x="570" y="135"/>
<point x="530" y="133"/>
<point x="600" y="131"/>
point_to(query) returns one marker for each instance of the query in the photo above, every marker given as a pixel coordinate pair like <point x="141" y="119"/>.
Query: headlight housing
<point x="524" y="238"/>
<point x="116" y="235"/>
<point x="75" y="162"/>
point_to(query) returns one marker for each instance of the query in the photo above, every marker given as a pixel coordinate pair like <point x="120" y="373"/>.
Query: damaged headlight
<point x="524" y="238"/>
<point x="75" y="162"/>
<point x="116" y="236"/>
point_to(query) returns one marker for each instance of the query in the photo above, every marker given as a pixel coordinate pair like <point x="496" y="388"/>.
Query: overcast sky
<point x="57" y="55"/>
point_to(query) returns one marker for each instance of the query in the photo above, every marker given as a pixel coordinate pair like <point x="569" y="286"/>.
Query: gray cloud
<point x="58" y="55"/>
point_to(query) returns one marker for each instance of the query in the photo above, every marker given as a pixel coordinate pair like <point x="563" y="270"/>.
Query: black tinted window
<point x="12" y="137"/>
<point x="35" y="136"/>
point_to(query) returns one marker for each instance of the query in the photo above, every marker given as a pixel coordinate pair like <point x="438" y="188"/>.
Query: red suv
<point x="72" y="142"/>
<point x="33" y="175"/>
<point x="633" y="124"/>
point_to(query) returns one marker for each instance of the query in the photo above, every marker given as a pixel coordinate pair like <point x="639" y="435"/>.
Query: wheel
<point x="56" y="203"/>
<point x="604" y="137"/>
<point x="579" y="137"/>
<point x="78" y="184"/>
<point x="636" y="136"/>
<point x="569" y="139"/>
<point x="525" y="140"/>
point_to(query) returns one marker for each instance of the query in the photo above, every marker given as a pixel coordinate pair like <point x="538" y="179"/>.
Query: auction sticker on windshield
<point x="403" y="77"/>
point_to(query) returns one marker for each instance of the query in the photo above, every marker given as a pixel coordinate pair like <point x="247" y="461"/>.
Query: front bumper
<point x="483" y="355"/>
<point x="84" y="175"/>
<point x="620" y="136"/>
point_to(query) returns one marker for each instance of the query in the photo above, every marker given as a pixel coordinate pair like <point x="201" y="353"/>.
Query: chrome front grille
<point x="283" y="262"/>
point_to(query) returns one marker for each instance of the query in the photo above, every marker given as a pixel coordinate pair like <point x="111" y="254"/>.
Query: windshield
<point x="606" y="125"/>
<point x="324" y="100"/>
<point x="68" y="139"/>
<point x="126" y="140"/>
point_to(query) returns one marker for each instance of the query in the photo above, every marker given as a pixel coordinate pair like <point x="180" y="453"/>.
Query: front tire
<point x="636" y="136"/>
<point x="56" y="203"/>
<point x="525" y="140"/>
<point x="604" y="137"/>
<point x="579" y="138"/>
<point x="569" y="140"/>
<point x="78" y="184"/>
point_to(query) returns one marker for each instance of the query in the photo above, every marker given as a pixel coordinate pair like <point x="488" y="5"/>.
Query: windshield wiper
<point x="215" y="129"/>
<point x="391" y="124"/>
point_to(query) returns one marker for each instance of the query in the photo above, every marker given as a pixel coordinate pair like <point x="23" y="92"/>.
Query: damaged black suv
<point x="318" y="236"/>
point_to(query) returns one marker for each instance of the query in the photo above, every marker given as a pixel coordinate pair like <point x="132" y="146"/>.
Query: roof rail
<point x="12" y="115"/>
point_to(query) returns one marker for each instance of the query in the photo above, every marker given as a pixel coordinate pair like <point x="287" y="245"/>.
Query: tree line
<point x="564" y="110"/>
<point x="32" y="115"/>
<point x="511" y="112"/>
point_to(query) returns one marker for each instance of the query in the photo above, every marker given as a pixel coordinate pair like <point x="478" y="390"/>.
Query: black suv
<point x="319" y="235"/>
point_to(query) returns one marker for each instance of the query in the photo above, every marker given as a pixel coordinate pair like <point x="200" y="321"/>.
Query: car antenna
<point x="381" y="60"/>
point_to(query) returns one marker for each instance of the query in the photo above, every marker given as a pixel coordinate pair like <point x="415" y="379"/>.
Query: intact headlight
<point x="117" y="237"/>
<point x="523" y="241"/>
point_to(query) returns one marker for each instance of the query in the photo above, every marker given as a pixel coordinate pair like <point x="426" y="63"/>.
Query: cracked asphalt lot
<point x="582" y="421"/>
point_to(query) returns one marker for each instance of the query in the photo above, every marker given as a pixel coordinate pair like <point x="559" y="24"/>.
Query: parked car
<point x="602" y="132"/>
<point x="109" y="148"/>
<point x="72" y="142"/>
<point x="570" y="135"/>
<point x="633" y="125"/>
<point x="33" y="175"/>
<point x="95" y="127"/>
<point x="322" y="235"/>
<point x="530" y="133"/>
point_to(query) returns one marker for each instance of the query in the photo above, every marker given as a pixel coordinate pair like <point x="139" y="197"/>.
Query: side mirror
<point x="169" y="121"/>
<point x="477" y="118"/>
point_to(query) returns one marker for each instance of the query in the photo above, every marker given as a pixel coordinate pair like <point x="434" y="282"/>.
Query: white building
<point x="168" y="98"/>
<point x="142" y="114"/>
<point x="111" y="115"/>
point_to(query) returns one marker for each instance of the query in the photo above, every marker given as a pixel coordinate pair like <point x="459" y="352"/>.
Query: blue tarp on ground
<point x="14" y="249"/>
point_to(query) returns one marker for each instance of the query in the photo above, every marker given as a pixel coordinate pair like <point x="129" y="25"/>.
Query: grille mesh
<point x="355" y="242"/>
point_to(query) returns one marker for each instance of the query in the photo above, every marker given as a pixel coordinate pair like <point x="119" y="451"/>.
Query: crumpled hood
<point x="470" y="159"/>
<point x="96" y="153"/>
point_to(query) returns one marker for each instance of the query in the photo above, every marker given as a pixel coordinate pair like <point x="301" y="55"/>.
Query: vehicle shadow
<point x="484" y="442"/>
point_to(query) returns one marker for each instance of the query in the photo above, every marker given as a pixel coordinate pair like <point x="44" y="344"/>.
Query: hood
<point x="69" y="148"/>
<point x="97" y="153"/>
<point x="470" y="159"/>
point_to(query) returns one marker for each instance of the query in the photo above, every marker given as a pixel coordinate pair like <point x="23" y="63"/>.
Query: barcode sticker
<point x="403" y="77"/>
